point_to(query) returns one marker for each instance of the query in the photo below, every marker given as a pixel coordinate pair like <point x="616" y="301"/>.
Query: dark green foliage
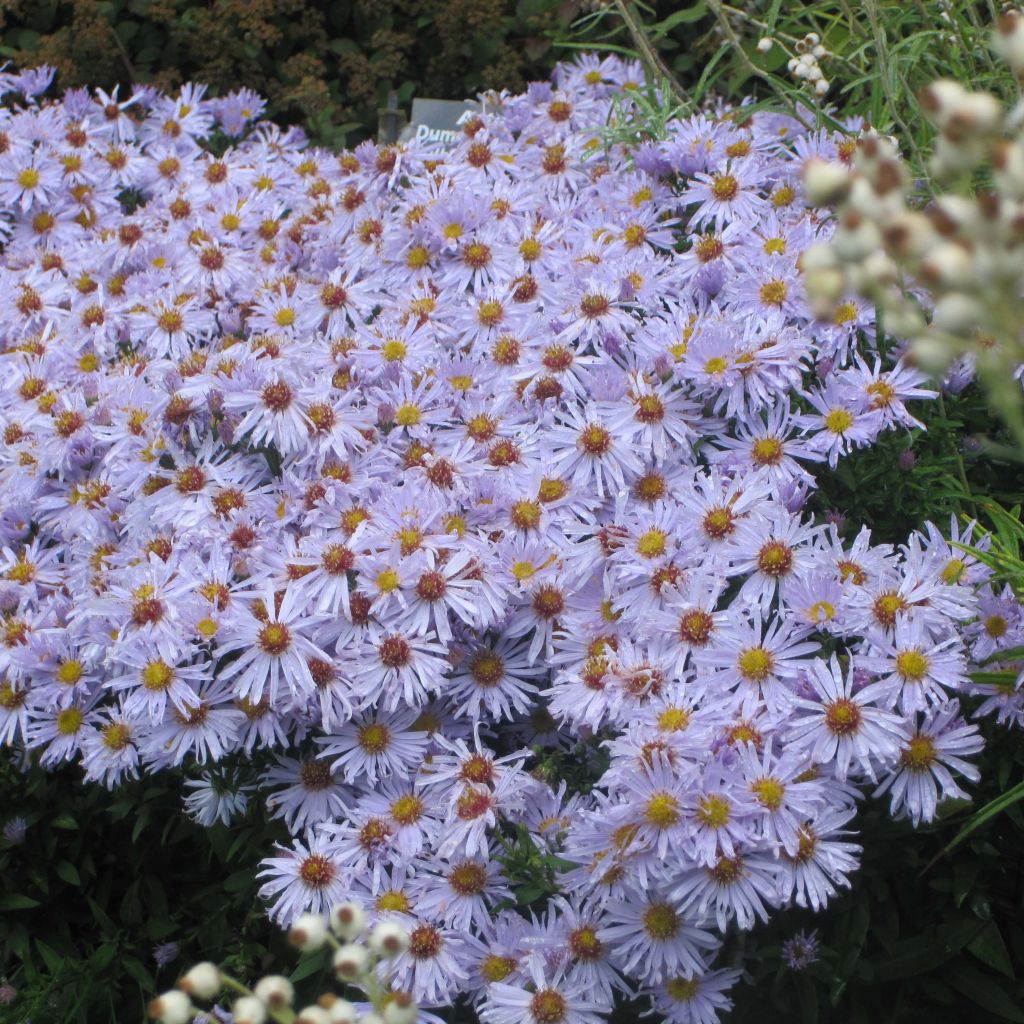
<point x="878" y="486"/>
<point x="102" y="878"/>
<point x="921" y="937"/>
<point x="326" y="66"/>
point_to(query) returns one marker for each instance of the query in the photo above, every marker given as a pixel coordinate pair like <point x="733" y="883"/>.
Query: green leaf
<point x="68" y="872"/>
<point x="990" y="949"/>
<point x="683" y="17"/>
<point x="53" y="960"/>
<point x="239" y="881"/>
<point x="15" y="901"/>
<point x="308" y="966"/>
<point x="989" y="811"/>
<point x="924" y="953"/>
<point x="983" y="991"/>
<point x="103" y="955"/>
<point x="139" y="972"/>
<point x="64" y="821"/>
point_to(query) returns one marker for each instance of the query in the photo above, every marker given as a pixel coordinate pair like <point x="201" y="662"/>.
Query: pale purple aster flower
<point x="651" y="937"/>
<point x="166" y="953"/>
<point x="800" y="951"/>
<point x="550" y="997"/>
<point x="923" y="775"/>
<point x="845" y="729"/>
<point x="15" y="830"/>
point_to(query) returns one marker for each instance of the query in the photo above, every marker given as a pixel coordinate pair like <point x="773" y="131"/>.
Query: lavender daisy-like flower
<point x="166" y="953"/>
<point x="927" y="759"/>
<point x="801" y="950"/>
<point x="843" y="728"/>
<point x="15" y="829"/>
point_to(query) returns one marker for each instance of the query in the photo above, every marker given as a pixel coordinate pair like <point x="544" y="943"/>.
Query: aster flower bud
<point x="308" y="933"/>
<point x="764" y="44"/>
<point x="249" y="1010"/>
<point x="274" y="990"/>
<point x="202" y="981"/>
<point x="389" y="939"/>
<point x="947" y="264"/>
<point x="171" y="1008"/>
<point x="351" y="961"/>
<point x="348" y="920"/>
<point x="821" y="86"/>
<point x="371" y="1018"/>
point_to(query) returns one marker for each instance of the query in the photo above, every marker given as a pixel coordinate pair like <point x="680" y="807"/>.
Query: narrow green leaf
<point x="15" y="901"/>
<point x="308" y="966"/>
<point x="53" y="960"/>
<point x="989" y="811"/>
<point x="990" y="949"/>
<point x="983" y="991"/>
<point x="683" y="17"/>
<point x="68" y="872"/>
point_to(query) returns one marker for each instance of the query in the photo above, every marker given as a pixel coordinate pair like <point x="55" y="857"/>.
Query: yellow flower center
<point x="713" y="811"/>
<point x="838" y="421"/>
<point x="912" y="665"/>
<point x="662" y="810"/>
<point x="755" y="664"/>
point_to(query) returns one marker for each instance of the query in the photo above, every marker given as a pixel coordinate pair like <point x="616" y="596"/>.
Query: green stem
<point x="284" y="1015"/>
<point x="730" y="33"/>
<point x="961" y="471"/>
<point x="648" y="55"/>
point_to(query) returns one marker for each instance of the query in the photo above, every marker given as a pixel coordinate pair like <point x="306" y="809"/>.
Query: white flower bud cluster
<point x="358" y="960"/>
<point x="948" y="275"/>
<point x="805" y="65"/>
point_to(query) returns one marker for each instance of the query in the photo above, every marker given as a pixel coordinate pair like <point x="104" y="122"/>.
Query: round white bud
<point x="348" y="920"/>
<point x="389" y="939"/>
<point x="341" y="1011"/>
<point x="764" y="44"/>
<point x="932" y="353"/>
<point x="308" y="933"/>
<point x="172" y="1008"/>
<point x="812" y="39"/>
<point x="852" y="244"/>
<point x="825" y="182"/>
<point x="274" y="990"/>
<point x="957" y="313"/>
<point x="249" y="1010"/>
<point x="201" y="981"/>
<point x="792" y="64"/>
<point x="819" y="51"/>
<point x="821" y="86"/>
<point x="371" y="1018"/>
<point x="818" y="256"/>
<point x="1008" y="40"/>
<point x="948" y="264"/>
<point x="351" y="962"/>
<point x="313" y="1015"/>
<point x="402" y="1009"/>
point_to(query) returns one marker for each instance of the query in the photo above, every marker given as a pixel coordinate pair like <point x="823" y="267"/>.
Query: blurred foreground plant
<point x="948" y="274"/>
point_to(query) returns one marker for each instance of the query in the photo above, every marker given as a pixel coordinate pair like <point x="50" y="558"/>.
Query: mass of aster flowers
<point x="396" y="466"/>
